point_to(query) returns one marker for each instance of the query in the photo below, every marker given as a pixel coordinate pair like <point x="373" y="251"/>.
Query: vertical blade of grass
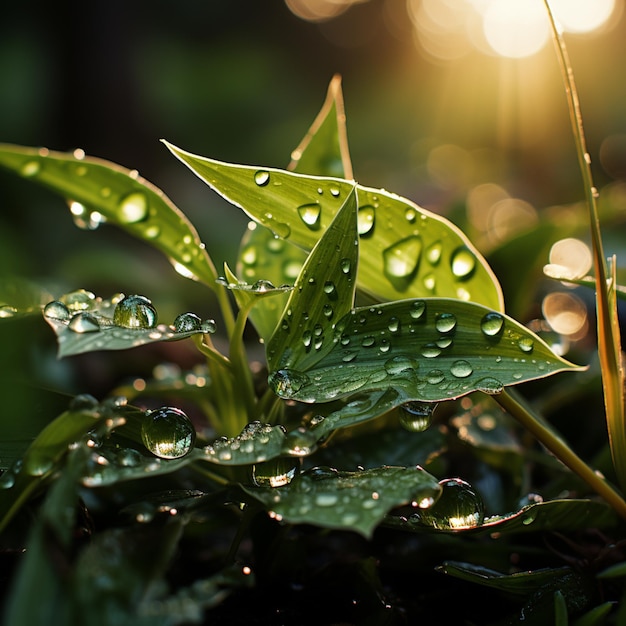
<point x="609" y="350"/>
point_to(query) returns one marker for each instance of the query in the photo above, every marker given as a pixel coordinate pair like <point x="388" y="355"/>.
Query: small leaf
<point x="347" y="500"/>
<point x="120" y="197"/>
<point x="406" y="251"/>
<point x="322" y="295"/>
<point x="84" y="323"/>
<point x="429" y="350"/>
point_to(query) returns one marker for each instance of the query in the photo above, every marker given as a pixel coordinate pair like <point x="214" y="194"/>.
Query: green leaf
<point x="430" y="350"/>
<point x="323" y="294"/>
<point x="19" y="297"/>
<point x="118" y="196"/>
<point x="84" y="323"/>
<point x="347" y="500"/>
<point x="406" y="251"/>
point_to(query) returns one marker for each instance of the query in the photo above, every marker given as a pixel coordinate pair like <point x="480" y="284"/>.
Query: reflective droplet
<point x="83" y="402"/>
<point x="410" y="214"/>
<point x="334" y="192"/>
<point x="208" y="327"/>
<point x="287" y="382"/>
<point x="526" y="344"/>
<point x="433" y="253"/>
<point x="401" y="259"/>
<point x="492" y="324"/>
<point x="366" y="216"/>
<point x="187" y="322"/>
<point x="307" y="338"/>
<point x="7" y="480"/>
<point x="261" y="178"/>
<point x="430" y="350"/>
<point x="489" y="385"/>
<point x="328" y="311"/>
<point x="463" y="263"/>
<point x="6" y="311"/>
<point x="417" y="309"/>
<point x="368" y="341"/>
<point x="459" y="507"/>
<point x="135" y="312"/>
<point x="461" y="369"/>
<point x="345" y="265"/>
<point x="79" y="300"/>
<point x="430" y="282"/>
<point x="30" y="168"/>
<point x="168" y="433"/>
<point x="399" y="365"/>
<point x="275" y="473"/>
<point x="300" y="442"/>
<point x="434" y="377"/>
<point x="393" y="325"/>
<point x="84" y="323"/>
<point x="329" y="287"/>
<point x="152" y="231"/>
<point x="310" y="215"/>
<point x="133" y="208"/>
<point x="445" y="322"/>
<point x="416" y="417"/>
<point x="56" y="310"/>
<point x="128" y="457"/>
<point x="326" y="499"/>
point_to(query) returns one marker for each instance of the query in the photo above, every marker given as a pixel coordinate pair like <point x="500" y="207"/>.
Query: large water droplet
<point x="135" y="312"/>
<point x="84" y="323"/>
<point x="262" y="178"/>
<point x="168" y="433"/>
<point x="399" y="365"/>
<point x="401" y="259"/>
<point x="133" y="208"/>
<point x="329" y="288"/>
<point x="430" y="350"/>
<point x="416" y="417"/>
<point x="300" y="442"/>
<point x="433" y="253"/>
<point x="275" y="473"/>
<point x="287" y="382"/>
<point x="310" y="215"/>
<point x="79" y="300"/>
<point x="445" y="322"/>
<point x="463" y="263"/>
<point x="366" y="217"/>
<point x="526" y="344"/>
<point x="187" y="322"/>
<point x="417" y="309"/>
<point x="459" y="507"/>
<point x="461" y="369"/>
<point x="393" y="325"/>
<point x="489" y="385"/>
<point x="434" y="377"/>
<point x="492" y="324"/>
<point x="56" y="310"/>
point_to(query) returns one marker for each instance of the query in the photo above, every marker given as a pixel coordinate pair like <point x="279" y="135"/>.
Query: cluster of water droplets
<point x="250" y="446"/>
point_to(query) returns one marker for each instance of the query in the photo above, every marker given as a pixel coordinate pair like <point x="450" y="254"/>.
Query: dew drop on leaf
<point x="345" y="265"/>
<point x="461" y="369"/>
<point x="187" y="322"/>
<point x="168" y="433"/>
<point x="489" y="385"/>
<point x="287" y="382"/>
<point x="401" y="259"/>
<point x="275" y="473"/>
<point x="133" y="208"/>
<point x="30" y="168"/>
<point x="410" y="215"/>
<point x="417" y="309"/>
<point x="334" y="192"/>
<point x="399" y="365"/>
<point x="430" y="350"/>
<point x="135" y="312"/>
<point x="434" y="377"/>
<point x="433" y="253"/>
<point x="328" y="311"/>
<point x="310" y="215"/>
<point x="326" y="499"/>
<point x="416" y="417"/>
<point x="56" y="310"/>
<point x="393" y="325"/>
<point x="79" y="300"/>
<point x="459" y="507"/>
<point x="329" y="288"/>
<point x="492" y="324"/>
<point x="526" y="344"/>
<point x="300" y="442"/>
<point x="84" y="323"/>
<point x="128" y="457"/>
<point x="366" y="216"/>
<point x="83" y="402"/>
<point x="462" y="263"/>
<point x="445" y="322"/>
<point x="262" y="178"/>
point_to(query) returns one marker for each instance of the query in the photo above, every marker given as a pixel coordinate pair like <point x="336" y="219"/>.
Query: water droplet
<point x="431" y="350"/>
<point x="275" y="473"/>
<point x="526" y="344"/>
<point x="416" y="417"/>
<point x="444" y="342"/>
<point x="398" y="365"/>
<point x="329" y="288"/>
<point x="401" y="259"/>
<point x="300" y="442"/>
<point x="262" y="178"/>
<point x="334" y="192"/>
<point x="168" y="433"/>
<point x="489" y="385"/>
<point x="410" y="215"/>
<point x="187" y="322"/>
<point x="128" y="457"/>
<point x="84" y="323"/>
<point x="152" y="231"/>
<point x="6" y="311"/>
<point x="56" y="310"/>
<point x="310" y="215"/>
<point x="430" y="282"/>
<point x="287" y="382"/>
<point x="368" y="341"/>
<point x="348" y="357"/>
<point x="7" y="480"/>
<point x="307" y="338"/>
<point x="434" y="377"/>
<point x="463" y="263"/>
<point x="433" y="253"/>
<point x="79" y="300"/>
<point x="83" y="402"/>
<point x="492" y="324"/>
<point x="461" y="369"/>
<point x="393" y="325"/>
<point x="249" y="255"/>
<point x="31" y="168"/>
<point x="133" y="208"/>
<point x="445" y="322"/>
<point x="328" y="311"/>
<point x="208" y="327"/>
<point x="326" y="499"/>
<point x="417" y="309"/>
<point x="459" y="507"/>
<point x="280" y="229"/>
<point x="366" y="217"/>
<point x="345" y="265"/>
<point x="135" y="312"/>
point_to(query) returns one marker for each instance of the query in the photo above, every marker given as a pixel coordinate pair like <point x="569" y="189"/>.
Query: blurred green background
<point x="432" y="114"/>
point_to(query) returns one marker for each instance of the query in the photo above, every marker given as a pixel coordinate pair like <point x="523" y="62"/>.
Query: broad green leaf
<point x="322" y="295"/>
<point x="427" y="350"/>
<point x="19" y="297"/>
<point x="406" y="251"/>
<point x="98" y="190"/>
<point x="347" y="500"/>
<point x="84" y="323"/>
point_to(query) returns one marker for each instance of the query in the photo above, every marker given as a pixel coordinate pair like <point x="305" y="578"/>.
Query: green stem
<point x="555" y="444"/>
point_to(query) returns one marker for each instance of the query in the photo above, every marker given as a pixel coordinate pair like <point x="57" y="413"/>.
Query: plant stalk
<point x="557" y="446"/>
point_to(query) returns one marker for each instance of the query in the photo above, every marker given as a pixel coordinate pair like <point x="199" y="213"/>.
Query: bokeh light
<point x="570" y="258"/>
<point x="565" y="312"/>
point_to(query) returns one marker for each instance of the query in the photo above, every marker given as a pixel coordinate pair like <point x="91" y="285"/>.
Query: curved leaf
<point x="406" y="251"/>
<point x="118" y="196"/>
